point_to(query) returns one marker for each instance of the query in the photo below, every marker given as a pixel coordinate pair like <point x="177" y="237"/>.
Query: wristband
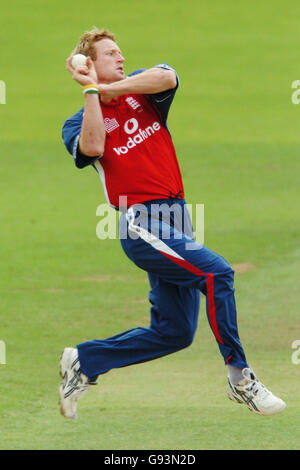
<point x="90" y="88"/>
<point x="90" y="85"/>
<point x="91" y="91"/>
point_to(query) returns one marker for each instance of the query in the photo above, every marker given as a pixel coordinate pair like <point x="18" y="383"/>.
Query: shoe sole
<point x="240" y="402"/>
<point x="235" y="400"/>
<point x="62" y="373"/>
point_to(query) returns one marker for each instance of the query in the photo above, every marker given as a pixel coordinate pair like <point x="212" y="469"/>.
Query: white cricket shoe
<point x="74" y="383"/>
<point x="252" y="393"/>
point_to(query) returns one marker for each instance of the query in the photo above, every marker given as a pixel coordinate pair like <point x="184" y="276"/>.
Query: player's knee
<point x="179" y="340"/>
<point x="177" y="334"/>
<point x="187" y="341"/>
<point x="186" y="337"/>
<point x="225" y="274"/>
<point x="229" y="275"/>
<point x="225" y="268"/>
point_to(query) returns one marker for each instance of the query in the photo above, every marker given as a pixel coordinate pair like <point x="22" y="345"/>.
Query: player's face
<point x="109" y="62"/>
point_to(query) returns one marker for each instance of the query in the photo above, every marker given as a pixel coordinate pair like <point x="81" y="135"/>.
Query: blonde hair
<point x="86" y="45"/>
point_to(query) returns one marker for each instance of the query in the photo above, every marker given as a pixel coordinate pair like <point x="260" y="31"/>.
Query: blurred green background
<point x="237" y="137"/>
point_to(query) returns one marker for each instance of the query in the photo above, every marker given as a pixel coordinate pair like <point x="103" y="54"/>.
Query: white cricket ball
<point x="78" y="60"/>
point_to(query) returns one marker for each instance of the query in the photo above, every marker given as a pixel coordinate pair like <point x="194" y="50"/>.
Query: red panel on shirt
<point x="139" y="159"/>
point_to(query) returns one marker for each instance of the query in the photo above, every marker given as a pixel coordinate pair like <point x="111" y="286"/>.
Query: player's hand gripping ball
<point x="78" y="60"/>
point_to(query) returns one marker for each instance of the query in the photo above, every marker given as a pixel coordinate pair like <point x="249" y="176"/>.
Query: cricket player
<point x="122" y="132"/>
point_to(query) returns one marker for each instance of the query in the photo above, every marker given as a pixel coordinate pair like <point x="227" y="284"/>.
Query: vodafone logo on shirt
<point x="132" y="126"/>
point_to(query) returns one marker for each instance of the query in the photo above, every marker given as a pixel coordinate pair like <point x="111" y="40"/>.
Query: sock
<point x="235" y="374"/>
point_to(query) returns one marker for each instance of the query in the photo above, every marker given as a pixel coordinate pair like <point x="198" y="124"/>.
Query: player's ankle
<point x="235" y="374"/>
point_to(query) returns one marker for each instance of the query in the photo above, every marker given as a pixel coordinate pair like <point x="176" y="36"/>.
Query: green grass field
<point x="237" y="137"/>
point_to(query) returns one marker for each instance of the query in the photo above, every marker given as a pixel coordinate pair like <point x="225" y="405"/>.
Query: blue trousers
<point x="158" y="237"/>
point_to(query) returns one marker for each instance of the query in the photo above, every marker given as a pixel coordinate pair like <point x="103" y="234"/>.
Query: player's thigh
<point x="177" y="260"/>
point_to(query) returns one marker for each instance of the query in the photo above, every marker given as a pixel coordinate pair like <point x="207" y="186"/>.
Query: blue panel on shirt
<point x="162" y="100"/>
<point x="70" y="134"/>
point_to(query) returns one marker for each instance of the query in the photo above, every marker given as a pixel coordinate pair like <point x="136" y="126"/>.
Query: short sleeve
<point x="162" y="100"/>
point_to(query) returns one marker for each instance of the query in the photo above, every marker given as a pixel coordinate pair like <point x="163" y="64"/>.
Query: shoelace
<point x="257" y="388"/>
<point x="76" y="382"/>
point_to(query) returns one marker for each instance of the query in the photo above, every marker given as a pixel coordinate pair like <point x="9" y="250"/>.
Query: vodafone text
<point x="130" y="127"/>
